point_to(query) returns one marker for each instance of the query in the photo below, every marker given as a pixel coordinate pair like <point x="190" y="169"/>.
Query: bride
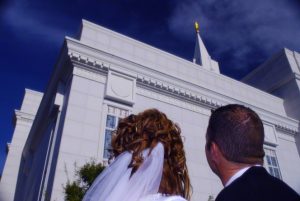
<point x="149" y="162"/>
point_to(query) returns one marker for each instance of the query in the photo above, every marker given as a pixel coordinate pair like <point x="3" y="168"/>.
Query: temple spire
<point x="201" y="56"/>
<point x="197" y="27"/>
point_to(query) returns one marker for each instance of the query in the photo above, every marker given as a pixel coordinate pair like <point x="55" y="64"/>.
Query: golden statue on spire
<point x="197" y="27"/>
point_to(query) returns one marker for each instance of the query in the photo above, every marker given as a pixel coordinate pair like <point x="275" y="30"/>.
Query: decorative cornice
<point x="178" y="92"/>
<point x="116" y="60"/>
<point x="26" y="117"/>
<point x="92" y="64"/>
<point x="120" y="112"/>
<point x="87" y="62"/>
<point x="286" y="129"/>
<point x="194" y="98"/>
<point x="86" y="73"/>
<point x="173" y="101"/>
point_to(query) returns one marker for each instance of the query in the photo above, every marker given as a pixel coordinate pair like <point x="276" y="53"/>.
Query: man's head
<point x="238" y="134"/>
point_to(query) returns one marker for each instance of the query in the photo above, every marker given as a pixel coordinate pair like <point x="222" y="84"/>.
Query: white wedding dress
<point x="115" y="183"/>
<point x="160" y="197"/>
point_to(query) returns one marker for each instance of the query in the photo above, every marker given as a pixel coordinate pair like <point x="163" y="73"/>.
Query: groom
<point x="234" y="151"/>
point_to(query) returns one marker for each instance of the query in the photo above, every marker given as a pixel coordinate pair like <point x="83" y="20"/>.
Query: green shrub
<point x="74" y="192"/>
<point x="85" y="175"/>
<point x="90" y="171"/>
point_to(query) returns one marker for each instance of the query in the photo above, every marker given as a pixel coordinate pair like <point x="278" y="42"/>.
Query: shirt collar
<point x="238" y="174"/>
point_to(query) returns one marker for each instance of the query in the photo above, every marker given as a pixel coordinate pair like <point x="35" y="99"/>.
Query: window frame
<point x="271" y="162"/>
<point x="113" y="109"/>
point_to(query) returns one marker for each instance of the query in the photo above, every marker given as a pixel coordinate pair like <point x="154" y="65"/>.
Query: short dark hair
<point x="239" y="133"/>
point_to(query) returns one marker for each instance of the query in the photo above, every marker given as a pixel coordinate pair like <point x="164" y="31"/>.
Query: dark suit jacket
<point x="256" y="184"/>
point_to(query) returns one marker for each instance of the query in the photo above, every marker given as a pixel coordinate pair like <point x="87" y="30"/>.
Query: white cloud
<point x="29" y="24"/>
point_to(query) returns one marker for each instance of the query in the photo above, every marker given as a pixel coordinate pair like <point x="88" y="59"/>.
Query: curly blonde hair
<point x="144" y="130"/>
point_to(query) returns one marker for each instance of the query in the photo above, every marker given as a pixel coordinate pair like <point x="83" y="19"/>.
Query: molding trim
<point x="25" y="117"/>
<point x="85" y="62"/>
<point x="173" y="101"/>
<point x="176" y="92"/>
<point x="186" y="96"/>
<point x="119" y="111"/>
<point x="286" y="129"/>
<point x="86" y="73"/>
<point x="97" y="66"/>
<point x="89" y="63"/>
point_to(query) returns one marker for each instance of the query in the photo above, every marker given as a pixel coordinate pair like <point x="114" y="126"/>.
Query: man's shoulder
<point x="256" y="184"/>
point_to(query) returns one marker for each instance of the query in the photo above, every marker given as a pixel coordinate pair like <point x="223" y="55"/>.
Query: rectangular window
<point x="113" y="117"/>
<point x="271" y="163"/>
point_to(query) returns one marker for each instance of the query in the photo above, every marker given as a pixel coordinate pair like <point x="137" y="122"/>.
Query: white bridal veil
<point x="115" y="183"/>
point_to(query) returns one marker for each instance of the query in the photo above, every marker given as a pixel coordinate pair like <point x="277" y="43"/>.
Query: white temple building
<point x="103" y="76"/>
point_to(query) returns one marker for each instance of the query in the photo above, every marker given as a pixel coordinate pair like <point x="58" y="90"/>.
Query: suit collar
<point x="239" y="174"/>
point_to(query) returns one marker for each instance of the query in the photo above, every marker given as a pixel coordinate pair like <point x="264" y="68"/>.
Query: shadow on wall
<point x="297" y="139"/>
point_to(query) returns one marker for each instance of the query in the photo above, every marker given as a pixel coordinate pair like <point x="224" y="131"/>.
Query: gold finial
<point x="197" y="27"/>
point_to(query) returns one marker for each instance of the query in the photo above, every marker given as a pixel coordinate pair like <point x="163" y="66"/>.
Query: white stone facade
<point x="280" y="75"/>
<point x="23" y="120"/>
<point x="105" y="73"/>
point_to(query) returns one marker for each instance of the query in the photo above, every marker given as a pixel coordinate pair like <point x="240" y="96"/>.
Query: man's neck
<point x="231" y="169"/>
<point x="236" y="176"/>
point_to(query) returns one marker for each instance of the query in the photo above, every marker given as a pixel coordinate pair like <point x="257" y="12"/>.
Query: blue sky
<point x="238" y="34"/>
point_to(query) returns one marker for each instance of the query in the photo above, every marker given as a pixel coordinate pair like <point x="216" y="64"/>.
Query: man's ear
<point x="215" y="152"/>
